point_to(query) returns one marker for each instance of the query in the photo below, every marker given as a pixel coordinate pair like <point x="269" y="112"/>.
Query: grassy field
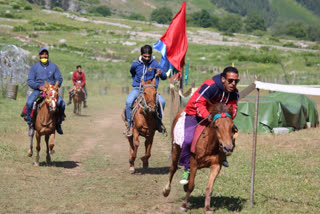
<point x="90" y="169"/>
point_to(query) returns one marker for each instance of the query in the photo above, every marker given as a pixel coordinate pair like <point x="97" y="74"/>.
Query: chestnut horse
<point x="215" y="142"/>
<point x="144" y="123"/>
<point x="78" y="98"/>
<point x="45" y="121"/>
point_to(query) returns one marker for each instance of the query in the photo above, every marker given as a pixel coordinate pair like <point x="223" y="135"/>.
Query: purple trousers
<point x="190" y="125"/>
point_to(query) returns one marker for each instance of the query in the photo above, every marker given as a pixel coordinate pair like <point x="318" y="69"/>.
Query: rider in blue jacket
<point x="38" y="73"/>
<point x="145" y="68"/>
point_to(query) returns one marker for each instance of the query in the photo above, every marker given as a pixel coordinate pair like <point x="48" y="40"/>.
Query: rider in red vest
<point x="78" y="76"/>
<point x="220" y="88"/>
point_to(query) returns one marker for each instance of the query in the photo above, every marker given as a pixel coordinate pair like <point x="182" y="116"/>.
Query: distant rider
<point x="78" y="76"/>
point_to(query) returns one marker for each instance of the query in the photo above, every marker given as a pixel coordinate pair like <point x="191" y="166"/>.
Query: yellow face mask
<point x="44" y="60"/>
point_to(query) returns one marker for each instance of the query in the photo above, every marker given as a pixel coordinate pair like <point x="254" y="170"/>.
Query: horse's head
<point x="78" y="87"/>
<point x="51" y="93"/>
<point x="150" y="95"/>
<point x="224" y="128"/>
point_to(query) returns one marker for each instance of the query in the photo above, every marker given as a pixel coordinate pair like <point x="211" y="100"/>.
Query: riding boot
<point x="225" y="163"/>
<point x="31" y="130"/>
<point x="70" y="99"/>
<point x="160" y="127"/>
<point x="85" y="104"/>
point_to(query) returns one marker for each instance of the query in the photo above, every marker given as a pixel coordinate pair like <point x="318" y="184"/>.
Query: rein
<point x="145" y="105"/>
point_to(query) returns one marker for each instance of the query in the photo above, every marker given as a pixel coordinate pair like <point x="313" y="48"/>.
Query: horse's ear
<point x="46" y="84"/>
<point x="57" y="85"/>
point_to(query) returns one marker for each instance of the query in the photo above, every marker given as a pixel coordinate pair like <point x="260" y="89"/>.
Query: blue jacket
<point x="39" y="73"/>
<point x="149" y="70"/>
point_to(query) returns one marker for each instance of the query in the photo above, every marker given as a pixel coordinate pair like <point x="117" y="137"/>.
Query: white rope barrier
<point x="296" y="89"/>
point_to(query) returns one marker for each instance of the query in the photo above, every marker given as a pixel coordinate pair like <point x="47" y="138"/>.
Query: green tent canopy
<point x="277" y="110"/>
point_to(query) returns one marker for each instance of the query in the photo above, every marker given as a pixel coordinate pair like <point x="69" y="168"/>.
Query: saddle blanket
<point x="178" y="132"/>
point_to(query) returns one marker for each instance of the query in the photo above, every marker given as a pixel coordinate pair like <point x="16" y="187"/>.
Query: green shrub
<point x="33" y="35"/>
<point x="137" y="16"/>
<point x="101" y="10"/>
<point x="290" y="45"/>
<point x="259" y="33"/>
<point x="296" y="29"/>
<point x="58" y="9"/>
<point x="275" y="39"/>
<point x="36" y="22"/>
<point x="28" y="7"/>
<point x="16" y="6"/>
<point x="9" y="15"/>
<point x="19" y="28"/>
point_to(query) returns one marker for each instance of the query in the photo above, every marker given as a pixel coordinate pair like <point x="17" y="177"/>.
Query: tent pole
<point x="254" y="145"/>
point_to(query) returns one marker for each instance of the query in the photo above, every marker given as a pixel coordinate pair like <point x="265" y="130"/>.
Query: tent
<point x="277" y="110"/>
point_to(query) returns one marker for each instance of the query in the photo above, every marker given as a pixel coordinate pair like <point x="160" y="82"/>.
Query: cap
<point x="43" y="49"/>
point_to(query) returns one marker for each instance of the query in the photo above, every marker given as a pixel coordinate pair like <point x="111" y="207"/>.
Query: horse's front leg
<point x="148" y="145"/>
<point x="176" y="150"/>
<point x="51" y="145"/>
<point x="134" y="144"/>
<point x="38" y="138"/>
<point x="30" y="152"/>
<point x="190" y="185"/>
<point x="48" y="158"/>
<point x="75" y="106"/>
<point x="214" y="171"/>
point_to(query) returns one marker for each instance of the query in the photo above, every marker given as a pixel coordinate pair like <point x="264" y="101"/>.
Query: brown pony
<point x="215" y="142"/>
<point x="144" y="123"/>
<point x="78" y="98"/>
<point x="45" y="121"/>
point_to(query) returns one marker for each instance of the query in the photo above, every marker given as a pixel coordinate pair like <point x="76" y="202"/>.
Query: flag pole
<point x="181" y="87"/>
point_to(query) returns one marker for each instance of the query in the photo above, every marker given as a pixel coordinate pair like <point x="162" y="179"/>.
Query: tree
<point x="162" y="15"/>
<point x="296" y="29"/>
<point x="231" y="23"/>
<point x="314" y="32"/>
<point x="253" y="22"/>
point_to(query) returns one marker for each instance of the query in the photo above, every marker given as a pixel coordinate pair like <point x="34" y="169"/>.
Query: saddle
<point x="38" y="100"/>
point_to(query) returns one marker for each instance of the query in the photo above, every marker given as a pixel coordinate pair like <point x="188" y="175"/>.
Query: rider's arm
<point x="163" y="74"/>
<point x="74" y="78"/>
<point x="58" y="76"/>
<point x="133" y="69"/>
<point x="83" y="83"/>
<point x="234" y="103"/>
<point x="32" y="78"/>
<point x="206" y="92"/>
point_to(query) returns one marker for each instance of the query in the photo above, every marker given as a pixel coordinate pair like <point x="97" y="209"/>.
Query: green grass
<point x="291" y="10"/>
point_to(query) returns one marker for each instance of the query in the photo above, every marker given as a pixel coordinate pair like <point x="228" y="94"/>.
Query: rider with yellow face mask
<point x="44" y="70"/>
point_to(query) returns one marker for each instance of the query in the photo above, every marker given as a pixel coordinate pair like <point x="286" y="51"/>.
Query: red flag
<point x="176" y="40"/>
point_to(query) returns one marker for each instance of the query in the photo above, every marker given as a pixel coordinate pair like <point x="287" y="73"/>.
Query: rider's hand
<point x="158" y="72"/>
<point x="41" y="88"/>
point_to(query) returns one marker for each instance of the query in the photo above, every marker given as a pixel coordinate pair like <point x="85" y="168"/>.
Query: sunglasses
<point x="231" y="81"/>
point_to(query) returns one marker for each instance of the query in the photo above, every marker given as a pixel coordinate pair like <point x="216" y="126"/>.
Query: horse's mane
<point x="219" y="108"/>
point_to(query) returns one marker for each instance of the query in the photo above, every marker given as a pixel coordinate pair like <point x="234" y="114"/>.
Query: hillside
<point x="105" y="47"/>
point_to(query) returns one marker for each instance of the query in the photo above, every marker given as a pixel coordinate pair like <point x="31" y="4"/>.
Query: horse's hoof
<point x="30" y="154"/>
<point x="165" y="192"/>
<point x="132" y="169"/>
<point x="182" y="209"/>
<point x="35" y="164"/>
<point x="52" y="152"/>
<point x="146" y="166"/>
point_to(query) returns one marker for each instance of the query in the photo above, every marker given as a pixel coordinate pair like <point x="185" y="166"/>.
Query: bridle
<point x="50" y="98"/>
<point x="145" y="105"/>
